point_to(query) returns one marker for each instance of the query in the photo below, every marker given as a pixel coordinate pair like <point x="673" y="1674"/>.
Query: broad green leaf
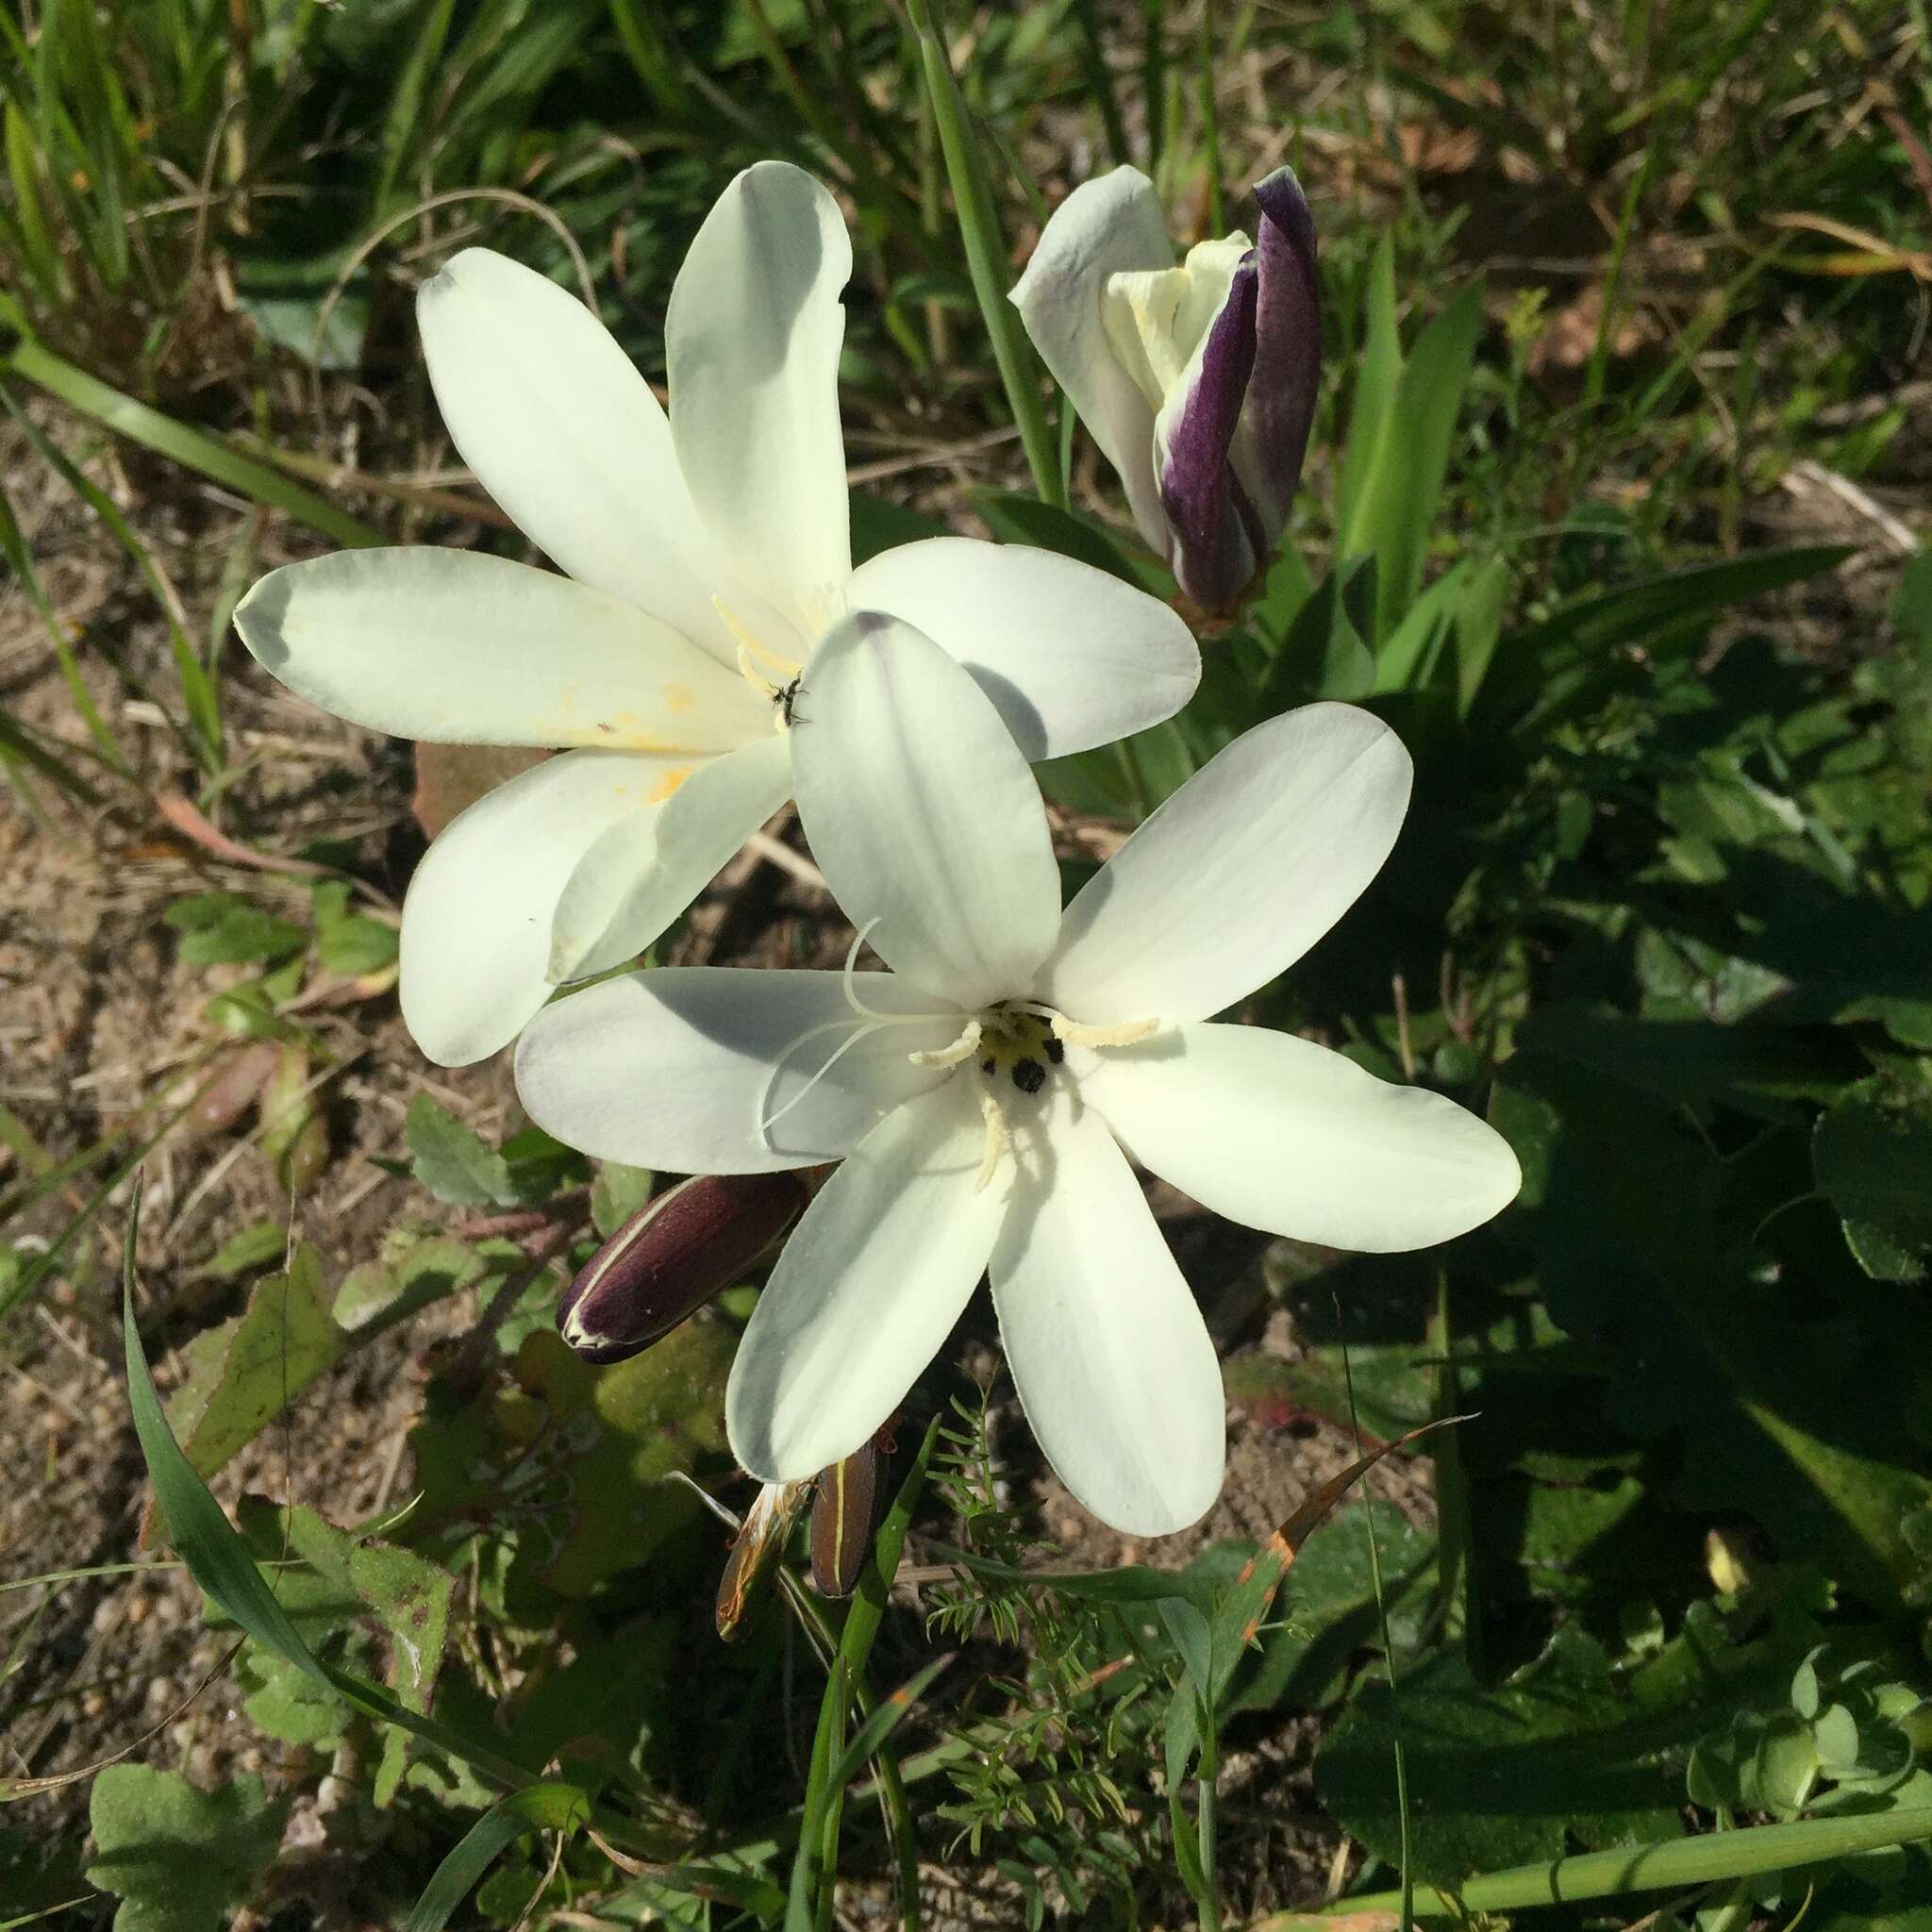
<point x="410" y="1273"/>
<point x="452" y="1161"/>
<point x="245" y="1371"/>
<point x="1015" y="518"/>
<point x="1873" y="1156"/>
<point x="180" y="1860"/>
<point x="617" y="1193"/>
<point x="578" y="1456"/>
<point x="1497" y="1778"/>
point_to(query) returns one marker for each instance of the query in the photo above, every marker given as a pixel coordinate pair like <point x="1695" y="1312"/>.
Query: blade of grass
<point x="13" y="547"/>
<point x="1210" y="124"/>
<point x="986" y="253"/>
<point x="197" y="691"/>
<point x="1100" y="79"/>
<point x="189" y="448"/>
<point x="552" y="1806"/>
<point x="1666" y="1864"/>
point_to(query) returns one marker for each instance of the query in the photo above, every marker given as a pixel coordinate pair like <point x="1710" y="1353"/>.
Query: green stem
<point x="1661" y="1865"/>
<point x="986" y="256"/>
<point x="1207" y="1824"/>
<point x="1210" y="124"/>
<point x="1406" y="1895"/>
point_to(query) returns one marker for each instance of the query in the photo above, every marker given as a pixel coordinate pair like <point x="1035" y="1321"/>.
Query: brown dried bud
<point x="764" y="1529"/>
<point x="841" y="1521"/>
<point x="672" y="1257"/>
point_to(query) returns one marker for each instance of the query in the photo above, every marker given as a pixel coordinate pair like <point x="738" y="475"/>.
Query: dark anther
<point x="989" y="1065"/>
<point x="1056" y="1048"/>
<point x="1030" y="1076"/>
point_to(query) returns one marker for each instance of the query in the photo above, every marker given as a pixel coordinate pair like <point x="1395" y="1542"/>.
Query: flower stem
<point x="986" y="254"/>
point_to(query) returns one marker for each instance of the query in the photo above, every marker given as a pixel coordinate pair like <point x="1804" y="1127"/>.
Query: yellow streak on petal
<point x="668" y="784"/>
<point x="678" y="697"/>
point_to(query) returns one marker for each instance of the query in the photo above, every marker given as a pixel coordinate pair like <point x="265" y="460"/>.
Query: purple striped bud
<point x="673" y="1256"/>
<point x="1198" y="381"/>
<point x="843" y="1513"/>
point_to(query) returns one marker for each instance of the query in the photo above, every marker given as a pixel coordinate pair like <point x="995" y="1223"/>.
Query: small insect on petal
<point x="767" y="1524"/>
<point x="672" y="1257"/>
<point x="842" y="1517"/>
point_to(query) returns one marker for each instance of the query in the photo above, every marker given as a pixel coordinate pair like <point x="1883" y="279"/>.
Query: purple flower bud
<point x="841" y="1521"/>
<point x="1233" y="439"/>
<point x="672" y="1257"/>
<point x="1274" y="436"/>
<point x="1218" y="546"/>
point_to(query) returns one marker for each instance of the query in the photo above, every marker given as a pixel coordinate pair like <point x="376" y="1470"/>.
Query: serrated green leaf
<point x="179" y="1859"/>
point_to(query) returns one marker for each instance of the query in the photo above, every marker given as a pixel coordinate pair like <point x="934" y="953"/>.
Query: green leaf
<point x="248" y="1249"/>
<point x="179" y="1859"/>
<point x="1873" y="1156"/>
<point x="350" y="944"/>
<point x="243" y="1373"/>
<point x="1014" y="517"/>
<point x="1377" y="373"/>
<point x="411" y="1273"/>
<point x="452" y="1161"/>
<point x="589" y="1450"/>
<point x="1395" y="514"/>
<point x="1496" y="1777"/>
<point x="551" y="1807"/>
<point x="221" y="929"/>
<point x="617" y="1193"/>
<point x="216" y="1557"/>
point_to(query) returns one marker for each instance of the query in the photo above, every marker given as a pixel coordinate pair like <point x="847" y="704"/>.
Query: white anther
<point x="996" y="1140"/>
<point x="961" y="1049"/>
<point x="752" y="649"/>
<point x="1126" y="1034"/>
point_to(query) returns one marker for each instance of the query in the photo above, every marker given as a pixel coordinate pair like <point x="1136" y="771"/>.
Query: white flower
<point x="706" y="554"/>
<point x="988" y="1093"/>
<point x="1196" y="379"/>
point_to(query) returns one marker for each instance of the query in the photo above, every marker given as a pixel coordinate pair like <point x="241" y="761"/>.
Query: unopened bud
<point x="673" y="1256"/>
<point x="766" y="1525"/>
<point x="841" y="1521"/>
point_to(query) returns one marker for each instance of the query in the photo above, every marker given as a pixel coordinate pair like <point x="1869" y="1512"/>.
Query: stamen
<point x="1126" y="1034"/>
<point x="851" y="999"/>
<point x="751" y="677"/>
<point x="961" y="1049"/>
<point x="996" y="1139"/>
<point x="750" y="645"/>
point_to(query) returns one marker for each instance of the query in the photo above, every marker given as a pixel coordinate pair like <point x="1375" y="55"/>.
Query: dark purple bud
<point x="1234" y="454"/>
<point x="1217" y="549"/>
<point x="673" y="1256"/>
<point x="841" y="1521"/>
<point x="1287" y="354"/>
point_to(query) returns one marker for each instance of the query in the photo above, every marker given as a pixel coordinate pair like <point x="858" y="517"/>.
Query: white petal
<point x="1238" y="874"/>
<point x="1071" y="657"/>
<point x="869" y="1285"/>
<point x="476" y="921"/>
<point x="677" y="1068"/>
<point x="1113" y="1361"/>
<point x="921" y="812"/>
<point x="1113" y="225"/>
<point x="642" y="873"/>
<point x="1280" y="1134"/>
<point x="751" y="344"/>
<point x="565" y="434"/>
<point x="464" y="648"/>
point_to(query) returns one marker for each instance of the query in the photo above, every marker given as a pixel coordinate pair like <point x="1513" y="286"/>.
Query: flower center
<point x="769" y="673"/>
<point x="1016" y="1039"/>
